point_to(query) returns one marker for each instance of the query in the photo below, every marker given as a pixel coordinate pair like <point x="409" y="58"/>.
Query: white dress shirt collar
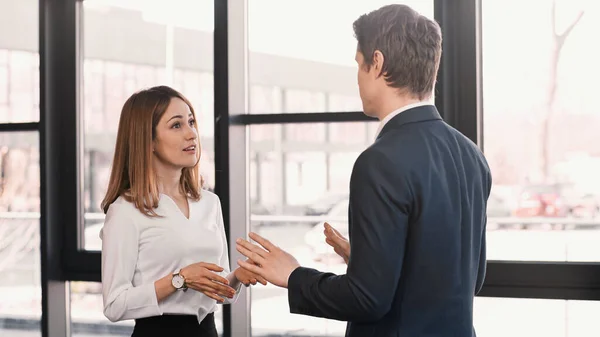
<point x="398" y="111"/>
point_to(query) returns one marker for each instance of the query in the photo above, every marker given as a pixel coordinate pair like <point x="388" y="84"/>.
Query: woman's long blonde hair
<point x="132" y="175"/>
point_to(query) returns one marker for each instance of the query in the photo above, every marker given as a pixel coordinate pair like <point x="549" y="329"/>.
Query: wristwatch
<point x="178" y="281"/>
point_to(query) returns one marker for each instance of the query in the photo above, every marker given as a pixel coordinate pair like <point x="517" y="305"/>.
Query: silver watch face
<point x="178" y="281"/>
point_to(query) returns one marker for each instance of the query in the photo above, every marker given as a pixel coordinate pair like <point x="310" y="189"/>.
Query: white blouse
<point x="138" y="250"/>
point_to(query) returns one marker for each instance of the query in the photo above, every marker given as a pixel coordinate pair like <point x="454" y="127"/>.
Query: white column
<point x="239" y="193"/>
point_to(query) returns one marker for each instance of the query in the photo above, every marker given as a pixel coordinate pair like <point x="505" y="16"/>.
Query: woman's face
<point x="176" y="144"/>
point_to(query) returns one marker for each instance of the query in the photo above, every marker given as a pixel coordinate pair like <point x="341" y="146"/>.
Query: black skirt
<point x="175" y="325"/>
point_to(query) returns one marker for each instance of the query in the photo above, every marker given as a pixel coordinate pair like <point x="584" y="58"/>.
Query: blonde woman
<point x="164" y="251"/>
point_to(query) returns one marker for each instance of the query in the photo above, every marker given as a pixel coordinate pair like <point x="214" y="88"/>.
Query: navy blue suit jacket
<point x="417" y="220"/>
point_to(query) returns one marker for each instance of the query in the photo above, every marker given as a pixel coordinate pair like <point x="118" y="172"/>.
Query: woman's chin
<point x="190" y="163"/>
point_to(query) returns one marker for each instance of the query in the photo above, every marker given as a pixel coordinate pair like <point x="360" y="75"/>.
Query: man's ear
<point x="378" y="61"/>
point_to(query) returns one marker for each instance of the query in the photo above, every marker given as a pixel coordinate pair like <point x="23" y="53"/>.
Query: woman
<point x="164" y="251"/>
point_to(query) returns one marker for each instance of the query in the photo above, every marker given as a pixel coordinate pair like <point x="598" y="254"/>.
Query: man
<point x="418" y="195"/>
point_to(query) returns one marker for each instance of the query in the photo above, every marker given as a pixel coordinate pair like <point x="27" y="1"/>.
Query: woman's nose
<point x="191" y="133"/>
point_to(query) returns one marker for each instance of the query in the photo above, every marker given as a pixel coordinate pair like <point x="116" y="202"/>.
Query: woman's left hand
<point x="247" y="277"/>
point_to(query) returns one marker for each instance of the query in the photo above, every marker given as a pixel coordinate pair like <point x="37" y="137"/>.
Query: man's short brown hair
<point x="410" y="43"/>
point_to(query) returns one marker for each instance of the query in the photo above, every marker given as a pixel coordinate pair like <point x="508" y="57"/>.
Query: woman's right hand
<point x="201" y="277"/>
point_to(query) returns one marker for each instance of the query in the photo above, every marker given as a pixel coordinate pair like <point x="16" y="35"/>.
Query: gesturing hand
<point x="201" y="277"/>
<point x="247" y="277"/>
<point x="339" y="243"/>
<point x="270" y="261"/>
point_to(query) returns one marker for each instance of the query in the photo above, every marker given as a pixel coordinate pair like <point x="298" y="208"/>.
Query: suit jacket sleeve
<point x="380" y="204"/>
<point x="482" y="253"/>
<point x="482" y="266"/>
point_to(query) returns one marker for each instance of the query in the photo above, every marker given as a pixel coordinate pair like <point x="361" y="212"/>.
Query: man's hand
<point x="339" y="243"/>
<point x="270" y="262"/>
<point x="247" y="277"/>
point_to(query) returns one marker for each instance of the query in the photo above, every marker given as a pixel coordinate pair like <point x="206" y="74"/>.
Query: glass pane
<point x="19" y="61"/>
<point x="297" y="182"/>
<point x="20" y="267"/>
<point x="300" y="67"/>
<point x="540" y="127"/>
<point x="128" y="46"/>
<point x="534" y="317"/>
<point x="87" y="318"/>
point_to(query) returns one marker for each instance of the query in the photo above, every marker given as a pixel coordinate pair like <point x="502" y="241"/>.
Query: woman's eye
<point x="192" y="122"/>
<point x="176" y="125"/>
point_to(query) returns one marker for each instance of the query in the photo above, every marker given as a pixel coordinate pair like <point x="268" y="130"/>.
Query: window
<point x="19" y="62"/>
<point x="129" y="46"/>
<point x="23" y="72"/>
<point x="534" y="317"/>
<point x="156" y="49"/>
<point x="299" y="173"/>
<point x="539" y="122"/>
<point x="312" y="63"/>
<point x="20" y="265"/>
<point x="295" y="186"/>
<point x="265" y="99"/>
<point x="20" y="308"/>
<point x="4" y="80"/>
